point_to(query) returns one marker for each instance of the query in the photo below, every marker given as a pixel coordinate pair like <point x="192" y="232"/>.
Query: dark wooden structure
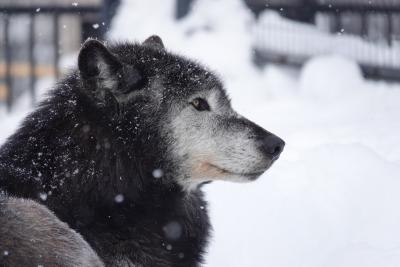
<point x="11" y="70"/>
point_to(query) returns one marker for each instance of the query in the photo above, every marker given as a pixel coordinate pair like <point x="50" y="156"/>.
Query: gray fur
<point x="31" y="235"/>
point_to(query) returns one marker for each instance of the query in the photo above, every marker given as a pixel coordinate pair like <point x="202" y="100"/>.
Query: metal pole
<point x="32" y="62"/>
<point x="364" y="25"/>
<point x="338" y="22"/>
<point x="389" y="29"/>
<point x="56" y="42"/>
<point x="8" y="61"/>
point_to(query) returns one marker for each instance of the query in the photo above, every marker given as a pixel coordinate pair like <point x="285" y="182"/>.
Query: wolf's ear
<point x="96" y="62"/>
<point x="154" y="41"/>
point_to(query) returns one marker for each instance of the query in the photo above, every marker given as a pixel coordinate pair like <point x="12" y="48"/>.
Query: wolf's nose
<point x="272" y="146"/>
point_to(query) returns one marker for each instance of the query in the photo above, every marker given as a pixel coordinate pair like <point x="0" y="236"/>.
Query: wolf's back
<point x="31" y="235"/>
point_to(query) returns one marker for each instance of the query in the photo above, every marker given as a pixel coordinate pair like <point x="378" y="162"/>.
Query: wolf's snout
<point x="272" y="146"/>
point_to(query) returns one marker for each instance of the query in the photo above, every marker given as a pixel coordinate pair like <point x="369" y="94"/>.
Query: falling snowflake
<point x="75" y="4"/>
<point x="38" y="9"/>
<point x="43" y="196"/>
<point x="95" y="26"/>
<point x="86" y="128"/>
<point x="172" y="230"/>
<point x="158" y="173"/>
<point x="119" y="198"/>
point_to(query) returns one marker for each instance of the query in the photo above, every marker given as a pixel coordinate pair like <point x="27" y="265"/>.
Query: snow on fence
<point x="368" y="34"/>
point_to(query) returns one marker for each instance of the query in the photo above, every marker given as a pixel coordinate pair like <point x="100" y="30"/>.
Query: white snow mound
<point x="331" y="77"/>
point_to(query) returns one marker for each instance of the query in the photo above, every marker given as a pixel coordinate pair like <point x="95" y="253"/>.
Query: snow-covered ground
<point x="332" y="199"/>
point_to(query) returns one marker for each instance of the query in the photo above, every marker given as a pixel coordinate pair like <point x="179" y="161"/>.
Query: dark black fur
<point x="83" y="146"/>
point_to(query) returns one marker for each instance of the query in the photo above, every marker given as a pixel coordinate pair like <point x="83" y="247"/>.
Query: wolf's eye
<point x="200" y="104"/>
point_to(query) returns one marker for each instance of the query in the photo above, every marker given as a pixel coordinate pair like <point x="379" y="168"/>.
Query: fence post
<point x="32" y="62"/>
<point x="364" y="25"/>
<point x="337" y="22"/>
<point x="10" y="95"/>
<point x="56" y="43"/>
<point x="182" y="8"/>
<point x="389" y="29"/>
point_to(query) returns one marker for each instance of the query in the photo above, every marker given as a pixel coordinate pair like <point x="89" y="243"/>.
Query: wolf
<point x="119" y="151"/>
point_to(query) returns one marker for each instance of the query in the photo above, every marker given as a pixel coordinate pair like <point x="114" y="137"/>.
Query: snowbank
<point x="327" y="209"/>
<point x="331" y="77"/>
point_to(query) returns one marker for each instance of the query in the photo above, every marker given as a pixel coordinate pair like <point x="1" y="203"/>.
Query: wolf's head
<point x="175" y="113"/>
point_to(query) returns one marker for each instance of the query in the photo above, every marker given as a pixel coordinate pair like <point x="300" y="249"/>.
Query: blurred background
<point x="36" y="33"/>
<point x="322" y="74"/>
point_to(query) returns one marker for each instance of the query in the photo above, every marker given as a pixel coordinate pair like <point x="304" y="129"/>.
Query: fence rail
<point x="32" y="70"/>
<point x="379" y="59"/>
